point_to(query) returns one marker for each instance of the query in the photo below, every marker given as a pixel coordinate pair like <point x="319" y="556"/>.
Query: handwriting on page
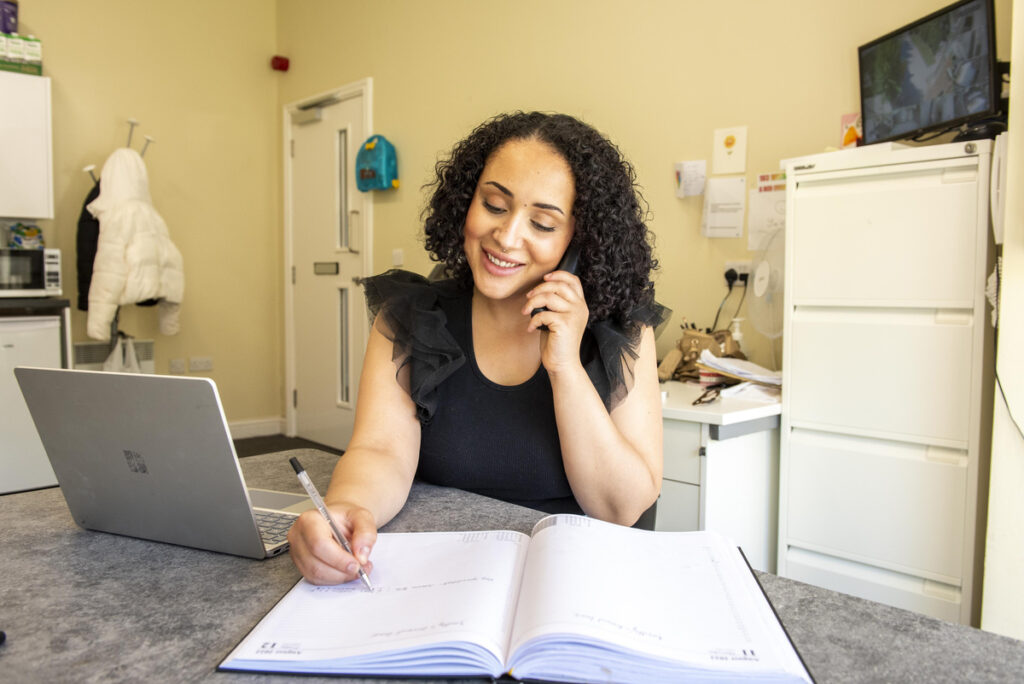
<point x="604" y="622"/>
<point x="355" y="586"/>
<point x="441" y="624"/>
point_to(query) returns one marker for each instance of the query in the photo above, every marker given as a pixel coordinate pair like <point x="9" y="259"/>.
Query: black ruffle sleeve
<point x="404" y="307"/>
<point x="610" y="352"/>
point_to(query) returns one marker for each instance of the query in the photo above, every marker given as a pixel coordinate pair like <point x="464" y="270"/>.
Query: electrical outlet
<point x="742" y="269"/>
<point x="176" y="366"/>
<point x="200" y="363"/>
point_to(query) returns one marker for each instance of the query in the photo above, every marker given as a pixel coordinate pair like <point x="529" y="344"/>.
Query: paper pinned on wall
<point x="724" y="205"/>
<point x="690" y="177"/>
<point x="730" y="150"/>
<point x="767" y="209"/>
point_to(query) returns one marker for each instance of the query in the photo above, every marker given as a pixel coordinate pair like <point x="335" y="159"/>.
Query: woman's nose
<point x="509" y="234"/>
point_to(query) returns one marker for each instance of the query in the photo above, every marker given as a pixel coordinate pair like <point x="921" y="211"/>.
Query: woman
<point x="564" y="418"/>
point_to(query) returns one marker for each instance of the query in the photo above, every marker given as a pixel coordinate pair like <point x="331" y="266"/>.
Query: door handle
<point x="355" y="232"/>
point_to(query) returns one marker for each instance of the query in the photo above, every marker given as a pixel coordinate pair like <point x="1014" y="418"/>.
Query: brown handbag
<point x="681" y="362"/>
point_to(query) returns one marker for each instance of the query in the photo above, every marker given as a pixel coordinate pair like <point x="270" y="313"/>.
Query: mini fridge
<point x="24" y="341"/>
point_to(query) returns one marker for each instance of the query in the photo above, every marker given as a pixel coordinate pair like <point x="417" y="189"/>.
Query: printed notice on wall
<point x="767" y="209"/>
<point x="724" y="206"/>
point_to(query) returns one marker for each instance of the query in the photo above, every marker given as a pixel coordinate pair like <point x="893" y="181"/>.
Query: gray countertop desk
<point x="83" y="606"/>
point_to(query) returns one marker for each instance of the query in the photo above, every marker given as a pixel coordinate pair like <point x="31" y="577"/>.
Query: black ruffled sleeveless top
<point x="497" y="440"/>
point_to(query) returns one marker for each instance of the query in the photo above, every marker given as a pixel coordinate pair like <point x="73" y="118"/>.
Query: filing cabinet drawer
<point x="681" y="448"/>
<point x="896" y="505"/>
<point x="678" y="507"/>
<point x="939" y="600"/>
<point x="895" y="235"/>
<point x="891" y="373"/>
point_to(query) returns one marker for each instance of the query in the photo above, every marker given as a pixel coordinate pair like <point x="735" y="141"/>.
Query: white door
<point x="328" y="231"/>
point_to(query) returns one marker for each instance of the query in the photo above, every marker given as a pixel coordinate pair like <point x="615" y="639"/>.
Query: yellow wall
<point x="195" y="75"/>
<point x="658" y="76"/>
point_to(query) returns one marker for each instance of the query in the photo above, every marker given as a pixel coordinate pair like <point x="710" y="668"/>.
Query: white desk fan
<point x="767" y="271"/>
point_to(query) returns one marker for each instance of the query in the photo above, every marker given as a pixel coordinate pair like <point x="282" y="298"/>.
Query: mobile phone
<point x="570" y="262"/>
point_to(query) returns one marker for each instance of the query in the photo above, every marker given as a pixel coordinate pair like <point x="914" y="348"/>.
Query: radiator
<point x="91" y="355"/>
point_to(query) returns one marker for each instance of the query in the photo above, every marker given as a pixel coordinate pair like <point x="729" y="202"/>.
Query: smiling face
<point x="520" y="220"/>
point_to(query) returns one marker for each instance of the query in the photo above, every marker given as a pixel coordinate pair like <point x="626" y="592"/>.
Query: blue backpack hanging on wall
<point x="376" y="165"/>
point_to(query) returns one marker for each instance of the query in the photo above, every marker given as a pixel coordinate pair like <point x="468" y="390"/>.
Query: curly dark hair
<point x="616" y="256"/>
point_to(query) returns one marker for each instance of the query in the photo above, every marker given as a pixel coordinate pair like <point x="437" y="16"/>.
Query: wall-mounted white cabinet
<point x="887" y="375"/>
<point x="26" y="148"/>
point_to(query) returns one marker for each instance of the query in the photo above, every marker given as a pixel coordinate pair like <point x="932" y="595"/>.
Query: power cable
<point x="730" y="277"/>
<point x="740" y="305"/>
<point x="1009" y="411"/>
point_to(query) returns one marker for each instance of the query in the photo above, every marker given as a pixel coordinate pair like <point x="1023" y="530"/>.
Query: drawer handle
<point x="949" y="317"/>
<point x="948" y="456"/>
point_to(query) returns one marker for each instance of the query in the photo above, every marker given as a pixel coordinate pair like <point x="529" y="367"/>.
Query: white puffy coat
<point x="135" y="258"/>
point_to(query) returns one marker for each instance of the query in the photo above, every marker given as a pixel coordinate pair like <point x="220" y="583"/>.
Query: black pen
<point x="322" y="507"/>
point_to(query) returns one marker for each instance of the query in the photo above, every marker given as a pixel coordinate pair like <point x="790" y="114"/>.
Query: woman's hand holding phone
<point x="570" y="263"/>
<point x="558" y="307"/>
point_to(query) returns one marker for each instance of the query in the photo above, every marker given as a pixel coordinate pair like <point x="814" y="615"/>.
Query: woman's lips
<point x="498" y="265"/>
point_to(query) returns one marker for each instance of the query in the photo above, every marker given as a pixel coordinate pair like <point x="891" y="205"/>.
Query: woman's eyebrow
<point x="508" y="193"/>
<point x="552" y="207"/>
<point x="501" y="187"/>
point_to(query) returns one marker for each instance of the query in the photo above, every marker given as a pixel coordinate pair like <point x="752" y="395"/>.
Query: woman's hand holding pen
<point x="561" y="293"/>
<point x="319" y="557"/>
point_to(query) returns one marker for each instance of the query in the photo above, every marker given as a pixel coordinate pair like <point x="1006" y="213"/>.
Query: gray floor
<point x="252" y="446"/>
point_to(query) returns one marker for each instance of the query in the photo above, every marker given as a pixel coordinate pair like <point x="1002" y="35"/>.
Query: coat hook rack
<point x="148" y="140"/>
<point x="89" y="170"/>
<point x="132" y="123"/>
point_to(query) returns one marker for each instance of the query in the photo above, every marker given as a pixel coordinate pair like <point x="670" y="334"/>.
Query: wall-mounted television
<point x="934" y="75"/>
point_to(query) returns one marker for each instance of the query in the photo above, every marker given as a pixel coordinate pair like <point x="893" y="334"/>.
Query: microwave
<point x="30" y="273"/>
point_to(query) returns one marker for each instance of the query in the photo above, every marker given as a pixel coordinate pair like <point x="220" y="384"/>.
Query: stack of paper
<point x="753" y="391"/>
<point x="738" y="368"/>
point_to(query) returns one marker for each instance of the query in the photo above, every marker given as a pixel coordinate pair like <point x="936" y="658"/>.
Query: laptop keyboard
<point x="274" y="526"/>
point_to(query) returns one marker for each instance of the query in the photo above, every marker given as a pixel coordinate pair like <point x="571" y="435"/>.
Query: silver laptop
<point x="151" y="456"/>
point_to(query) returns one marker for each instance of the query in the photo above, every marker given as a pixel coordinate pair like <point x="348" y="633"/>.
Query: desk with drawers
<point x="721" y="470"/>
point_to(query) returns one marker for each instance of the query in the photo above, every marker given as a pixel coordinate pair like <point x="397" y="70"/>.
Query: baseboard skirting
<point x="256" y="427"/>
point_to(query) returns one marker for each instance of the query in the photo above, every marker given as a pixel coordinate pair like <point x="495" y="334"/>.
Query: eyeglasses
<point x="710" y="394"/>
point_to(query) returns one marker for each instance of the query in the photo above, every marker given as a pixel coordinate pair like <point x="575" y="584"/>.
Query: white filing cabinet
<point x="26" y="156"/>
<point x="721" y="470"/>
<point x="887" y="375"/>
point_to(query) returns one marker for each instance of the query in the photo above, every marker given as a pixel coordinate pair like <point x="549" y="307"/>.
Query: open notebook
<point x="578" y="600"/>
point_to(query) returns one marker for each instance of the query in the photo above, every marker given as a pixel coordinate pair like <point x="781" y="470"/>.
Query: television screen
<point x="934" y="74"/>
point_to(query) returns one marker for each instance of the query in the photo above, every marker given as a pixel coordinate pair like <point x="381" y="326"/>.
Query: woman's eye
<point x="492" y="208"/>
<point x="542" y="227"/>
